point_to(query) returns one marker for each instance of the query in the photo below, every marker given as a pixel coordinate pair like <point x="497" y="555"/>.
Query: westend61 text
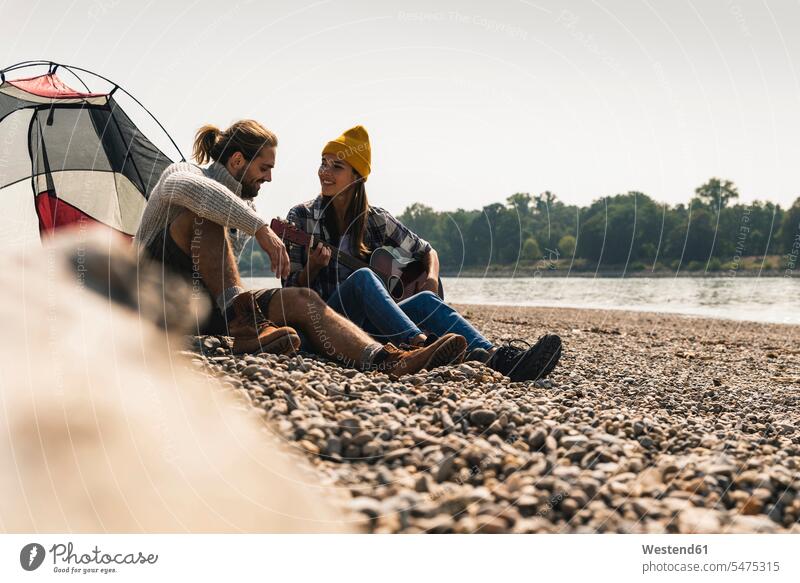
<point x="672" y="550"/>
<point x="66" y="555"/>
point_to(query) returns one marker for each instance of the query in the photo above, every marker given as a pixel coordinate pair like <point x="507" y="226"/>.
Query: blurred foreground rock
<point x="103" y="429"/>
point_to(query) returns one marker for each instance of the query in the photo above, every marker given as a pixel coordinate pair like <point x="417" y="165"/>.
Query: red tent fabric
<point x="68" y="157"/>
<point x="51" y="87"/>
<point x="54" y="213"/>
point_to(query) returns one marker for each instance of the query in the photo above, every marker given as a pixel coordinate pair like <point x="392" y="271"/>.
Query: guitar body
<point x="403" y="276"/>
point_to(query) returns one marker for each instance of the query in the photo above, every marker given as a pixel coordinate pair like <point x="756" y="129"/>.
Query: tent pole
<point x="139" y="103"/>
<point x="85" y="86"/>
<point x="54" y="66"/>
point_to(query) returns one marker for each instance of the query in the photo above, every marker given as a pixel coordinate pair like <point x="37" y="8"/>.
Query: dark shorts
<point x="166" y="251"/>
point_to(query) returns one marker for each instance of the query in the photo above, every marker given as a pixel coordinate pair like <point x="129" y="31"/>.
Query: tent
<point x="70" y="157"/>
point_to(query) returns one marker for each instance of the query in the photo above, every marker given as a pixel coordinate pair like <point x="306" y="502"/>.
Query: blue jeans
<point x="363" y="299"/>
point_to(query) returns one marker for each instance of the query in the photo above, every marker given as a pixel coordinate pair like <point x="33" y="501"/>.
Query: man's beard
<point x="248" y="191"/>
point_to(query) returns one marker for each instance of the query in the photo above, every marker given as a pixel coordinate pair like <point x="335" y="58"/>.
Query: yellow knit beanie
<point x="352" y="147"/>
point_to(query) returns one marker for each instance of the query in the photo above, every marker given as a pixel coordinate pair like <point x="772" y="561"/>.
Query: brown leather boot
<point x="252" y="332"/>
<point x="449" y="349"/>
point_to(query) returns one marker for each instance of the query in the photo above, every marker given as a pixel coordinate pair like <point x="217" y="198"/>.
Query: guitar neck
<point x="299" y="237"/>
<point x="346" y="259"/>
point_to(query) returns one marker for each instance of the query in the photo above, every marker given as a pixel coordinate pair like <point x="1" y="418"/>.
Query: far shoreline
<point x="624" y="311"/>
<point x="528" y="274"/>
<point x="611" y="274"/>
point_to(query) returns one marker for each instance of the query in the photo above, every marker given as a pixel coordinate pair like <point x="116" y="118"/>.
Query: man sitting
<point x="196" y="222"/>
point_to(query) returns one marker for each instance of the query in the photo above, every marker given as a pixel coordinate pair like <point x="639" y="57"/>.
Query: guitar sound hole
<point x="395" y="287"/>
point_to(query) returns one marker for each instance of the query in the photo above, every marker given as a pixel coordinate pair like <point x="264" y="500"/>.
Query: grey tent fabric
<point x="82" y="155"/>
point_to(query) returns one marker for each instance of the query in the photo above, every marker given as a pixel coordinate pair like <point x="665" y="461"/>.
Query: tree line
<point x="630" y="231"/>
<point x="711" y="232"/>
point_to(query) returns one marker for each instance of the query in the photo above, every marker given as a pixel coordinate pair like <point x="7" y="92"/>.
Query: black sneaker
<point x="530" y="363"/>
<point x="478" y="355"/>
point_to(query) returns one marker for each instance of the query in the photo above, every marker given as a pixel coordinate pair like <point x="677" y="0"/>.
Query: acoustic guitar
<point x="402" y="275"/>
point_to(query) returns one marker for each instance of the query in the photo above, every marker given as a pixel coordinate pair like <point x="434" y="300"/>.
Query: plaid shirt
<point x="382" y="230"/>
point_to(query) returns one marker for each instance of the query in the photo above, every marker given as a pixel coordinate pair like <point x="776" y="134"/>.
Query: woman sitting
<point x="342" y="217"/>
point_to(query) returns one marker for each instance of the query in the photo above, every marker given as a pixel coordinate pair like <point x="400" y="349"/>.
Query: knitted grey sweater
<point x="211" y="193"/>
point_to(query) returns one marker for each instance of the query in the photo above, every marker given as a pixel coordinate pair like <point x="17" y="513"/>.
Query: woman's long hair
<point x="355" y="220"/>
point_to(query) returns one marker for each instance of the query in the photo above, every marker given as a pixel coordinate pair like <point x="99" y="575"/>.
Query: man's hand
<point x="318" y="258"/>
<point x="431" y="284"/>
<point x="272" y="244"/>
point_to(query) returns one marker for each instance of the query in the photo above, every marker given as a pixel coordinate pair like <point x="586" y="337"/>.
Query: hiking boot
<point x="449" y="349"/>
<point x="530" y="363"/>
<point x="252" y="332"/>
<point x="430" y="339"/>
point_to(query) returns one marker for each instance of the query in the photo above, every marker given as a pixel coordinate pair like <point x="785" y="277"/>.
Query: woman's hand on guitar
<point x="431" y="284"/>
<point x="272" y="244"/>
<point x="318" y="257"/>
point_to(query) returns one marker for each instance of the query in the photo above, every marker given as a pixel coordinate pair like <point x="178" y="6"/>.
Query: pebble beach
<point x="651" y="423"/>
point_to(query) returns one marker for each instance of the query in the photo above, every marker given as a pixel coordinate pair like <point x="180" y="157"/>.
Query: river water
<point x="764" y="299"/>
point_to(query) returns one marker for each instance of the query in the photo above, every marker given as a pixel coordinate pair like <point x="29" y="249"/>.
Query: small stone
<point x="482" y="417"/>
<point x="250" y="370"/>
<point x="446" y="470"/>
<point x="762" y="494"/>
<point x="361" y="438"/>
<point x="211" y="343"/>
<point x="365" y="505"/>
<point x="439" y="524"/>
<point x="351" y="424"/>
<point x="650" y="481"/>
<point x="447" y="421"/>
<point x="491" y="525"/>
<point x="333" y="446"/>
<point x="309" y="447"/>
<point x="721" y="470"/>
<point x="751" y="525"/>
<point x="570" y="441"/>
<point x="752" y="506"/>
<point x="467" y="370"/>
<point x="675" y="504"/>
<point x="699" y="521"/>
<point x="495" y="428"/>
<point x="647" y="507"/>
<point x="396" y="454"/>
<point x="527" y="504"/>
<point x="536" y="439"/>
<point x="291" y="402"/>
<point x="647" y="442"/>
<point x="569" y="506"/>
<point x="312" y="392"/>
<point x="372" y="449"/>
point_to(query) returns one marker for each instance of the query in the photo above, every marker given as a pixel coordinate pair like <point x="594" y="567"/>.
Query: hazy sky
<point x="466" y="102"/>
